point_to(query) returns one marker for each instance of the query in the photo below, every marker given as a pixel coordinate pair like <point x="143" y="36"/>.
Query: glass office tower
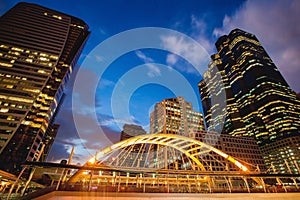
<point x="260" y="103"/>
<point x="39" y="47"/>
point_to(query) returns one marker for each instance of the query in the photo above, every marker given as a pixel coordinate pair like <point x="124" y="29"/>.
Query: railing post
<point x="119" y="183"/>
<point x="228" y="184"/>
<point x="247" y="185"/>
<point x="144" y="189"/>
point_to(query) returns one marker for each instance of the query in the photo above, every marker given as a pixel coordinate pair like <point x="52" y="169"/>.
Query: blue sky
<point x="275" y="23"/>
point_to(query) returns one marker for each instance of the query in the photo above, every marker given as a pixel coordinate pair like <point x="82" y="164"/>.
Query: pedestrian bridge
<point x="172" y="163"/>
<point x="159" y="163"/>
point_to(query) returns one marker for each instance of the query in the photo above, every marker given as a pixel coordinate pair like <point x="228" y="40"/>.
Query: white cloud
<point x="198" y="24"/>
<point x="153" y="69"/>
<point x="105" y="83"/>
<point x="181" y="46"/>
<point x="142" y="56"/>
<point x="171" y="59"/>
<point x="113" y="121"/>
<point x="199" y="30"/>
<point x="81" y="153"/>
<point x="276" y="24"/>
<point x="189" y="50"/>
<point x="196" y="54"/>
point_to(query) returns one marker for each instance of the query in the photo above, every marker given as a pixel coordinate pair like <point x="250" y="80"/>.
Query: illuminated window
<point x="5" y="64"/>
<point x="9" y="86"/>
<point x="41" y="71"/>
<point x="54" y="57"/>
<point x="17" y="49"/>
<point x="44" y="59"/>
<point x="29" y="60"/>
<point x="4" y="110"/>
<point x="57" y="17"/>
<point x="4" y="46"/>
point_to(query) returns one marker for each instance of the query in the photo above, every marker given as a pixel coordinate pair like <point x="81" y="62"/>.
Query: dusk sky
<point x="276" y="23"/>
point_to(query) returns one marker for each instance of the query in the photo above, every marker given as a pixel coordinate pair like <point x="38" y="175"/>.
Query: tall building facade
<point x="175" y="116"/>
<point x="227" y="118"/>
<point x="38" y="49"/>
<point x="283" y="156"/>
<point x="243" y="149"/>
<point x="260" y="103"/>
<point x="172" y="116"/>
<point x="131" y="130"/>
<point x="137" y="156"/>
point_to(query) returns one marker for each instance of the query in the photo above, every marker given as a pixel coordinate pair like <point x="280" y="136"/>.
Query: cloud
<point x="68" y="136"/>
<point x="86" y="140"/>
<point x="180" y="45"/>
<point x="87" y="143"/>
<point x="62" y="148"/>
<point x="113" y="135"/>
<point x="199" y="32"/>
<point x="153" y="69"/>
<point x="191" y="52"/>
<point x="57" y="152"/>
<point x="198" y="24"/>
<point x="142" y="56"/>
<point x="110" y="121"/>
<point x="276" y="24"/>
<point x="105" y="83"/>
<point x="171" y="59"/>
<point x="187" y="49"/>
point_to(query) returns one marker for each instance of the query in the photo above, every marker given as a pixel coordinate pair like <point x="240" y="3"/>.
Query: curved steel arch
<point x="183" y="144"/>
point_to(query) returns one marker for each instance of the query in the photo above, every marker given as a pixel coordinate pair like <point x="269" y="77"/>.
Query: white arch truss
<point x="190" y="147"/>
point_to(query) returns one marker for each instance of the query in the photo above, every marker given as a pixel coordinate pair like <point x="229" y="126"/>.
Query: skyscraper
<point x="210" y="85"/>
<point x="39" y="47"/>
<point x="175" y="116"/>
<point x="260" y="103"/>
<point x="172" y="116"/>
